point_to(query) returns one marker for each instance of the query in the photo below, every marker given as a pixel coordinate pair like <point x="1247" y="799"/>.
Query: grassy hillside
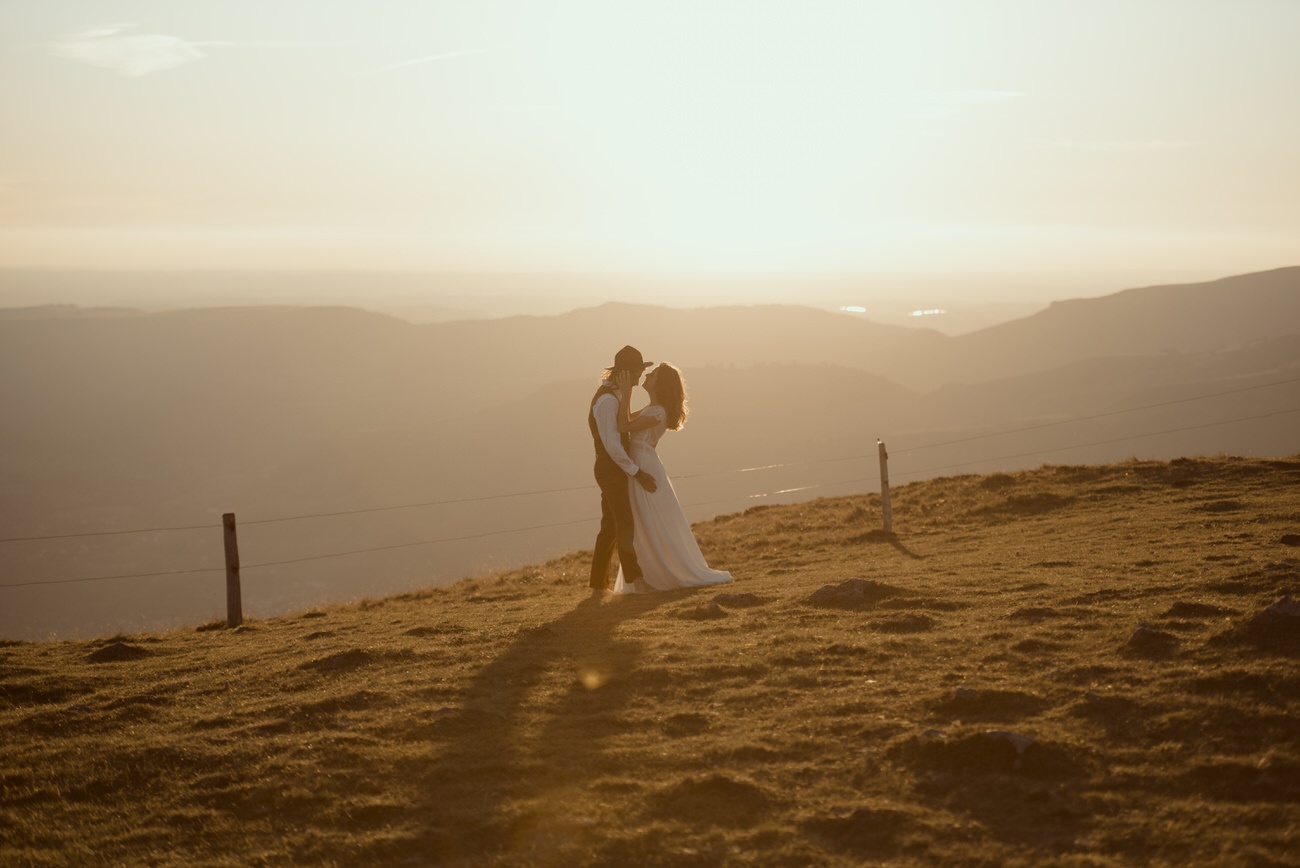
<point x="1050" y="666"/>
<point x="118" y="420"/>
<point x="1189" y="318"/>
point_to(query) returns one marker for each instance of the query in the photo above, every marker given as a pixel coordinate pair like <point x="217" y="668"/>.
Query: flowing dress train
<point x="665" y="546"/>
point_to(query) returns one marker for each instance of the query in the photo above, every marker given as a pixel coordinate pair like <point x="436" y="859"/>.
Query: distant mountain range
<point x="443" y="297"/>
<point x="118" y="419"/>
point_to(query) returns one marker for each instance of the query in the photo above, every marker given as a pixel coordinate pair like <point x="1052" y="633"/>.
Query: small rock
<point x="116" y="652"/>
<point x="1284" y="614"/>
<point x="1194" y="610"/>
<point x="717" y="800"/>
<point x="708" y="612"/>
<point x="738" y="601"/>
<point x="851" y="594"/>
<point x="994" y="751"/>
<point x="1150" y="642"/>
<point x="1021" y="743"/>
<point x="848" y="593"/>
<point x="1004" y="746"/>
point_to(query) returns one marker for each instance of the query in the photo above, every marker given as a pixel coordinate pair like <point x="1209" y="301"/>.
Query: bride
<point x="665" y="547"/>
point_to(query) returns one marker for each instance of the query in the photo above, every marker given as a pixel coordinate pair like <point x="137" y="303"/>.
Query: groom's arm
<point x="606" y="412"/>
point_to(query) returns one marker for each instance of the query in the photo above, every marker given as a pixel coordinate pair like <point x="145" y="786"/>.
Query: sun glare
<point x="832" y="137"/>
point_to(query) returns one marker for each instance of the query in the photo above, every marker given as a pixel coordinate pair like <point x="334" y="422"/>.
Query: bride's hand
<point x="623" y="379"/>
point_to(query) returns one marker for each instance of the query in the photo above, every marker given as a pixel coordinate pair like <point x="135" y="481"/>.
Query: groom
<point x="613" y="468"/>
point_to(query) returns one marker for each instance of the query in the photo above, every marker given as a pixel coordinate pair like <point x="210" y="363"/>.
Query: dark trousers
<point x="615" y="526"/>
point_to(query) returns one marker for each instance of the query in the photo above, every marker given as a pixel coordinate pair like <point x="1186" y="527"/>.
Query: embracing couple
<point x="639" y="512"/>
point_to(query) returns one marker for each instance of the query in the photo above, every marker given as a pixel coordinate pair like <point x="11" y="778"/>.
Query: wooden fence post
<point x="884" y="486"/>
<point x="234" y="606"/>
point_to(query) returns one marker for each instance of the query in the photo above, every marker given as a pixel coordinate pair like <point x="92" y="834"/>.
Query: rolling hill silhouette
<point x="1201" y="317"/>
<point x="121" y="419"/>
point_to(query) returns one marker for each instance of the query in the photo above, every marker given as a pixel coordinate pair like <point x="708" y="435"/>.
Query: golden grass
<point x="986" y="702"/>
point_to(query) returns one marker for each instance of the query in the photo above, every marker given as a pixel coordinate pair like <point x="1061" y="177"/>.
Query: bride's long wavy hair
<point x="671" y="393"/>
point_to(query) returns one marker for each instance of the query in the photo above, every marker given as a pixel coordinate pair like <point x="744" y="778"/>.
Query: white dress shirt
<point x="606" y="413"/>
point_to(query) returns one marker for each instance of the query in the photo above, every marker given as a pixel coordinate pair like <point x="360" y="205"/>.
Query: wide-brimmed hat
<point x="629" y="359"/>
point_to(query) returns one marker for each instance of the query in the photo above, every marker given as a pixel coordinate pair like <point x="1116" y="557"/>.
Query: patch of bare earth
<point x="1064" y="666"/>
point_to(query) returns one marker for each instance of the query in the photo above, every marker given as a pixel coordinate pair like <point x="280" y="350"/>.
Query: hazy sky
<point x="1137" y="137"/>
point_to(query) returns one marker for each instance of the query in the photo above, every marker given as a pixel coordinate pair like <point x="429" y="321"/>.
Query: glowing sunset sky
<point x="814" y="136"/>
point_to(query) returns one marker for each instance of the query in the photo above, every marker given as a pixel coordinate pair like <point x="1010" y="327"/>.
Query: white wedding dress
<point x="665" y="547"/>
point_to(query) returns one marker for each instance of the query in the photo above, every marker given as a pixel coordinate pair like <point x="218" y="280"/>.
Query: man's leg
<point x="621" y="503"/>
<point x="605" y="541"/>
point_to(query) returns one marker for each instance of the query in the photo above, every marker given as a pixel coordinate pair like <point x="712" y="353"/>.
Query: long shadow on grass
<point x="532" y="729"/>
<point x="898" y="544"/>
<point x="878" y="536"/>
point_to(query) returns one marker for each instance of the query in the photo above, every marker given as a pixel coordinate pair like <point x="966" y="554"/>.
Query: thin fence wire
<point x="427" y="503"/>
<point x="1100" y="442"/>
<point x="106" y="533"/>
<point x="1095" y="416"/>
<point x="427" y="542"/>
<point x="704" y="474"/>
<point x="113" y="578"/>
<point x="758" y="468"/>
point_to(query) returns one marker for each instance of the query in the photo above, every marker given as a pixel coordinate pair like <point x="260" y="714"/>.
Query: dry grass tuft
<point x="1074" y="665"/>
